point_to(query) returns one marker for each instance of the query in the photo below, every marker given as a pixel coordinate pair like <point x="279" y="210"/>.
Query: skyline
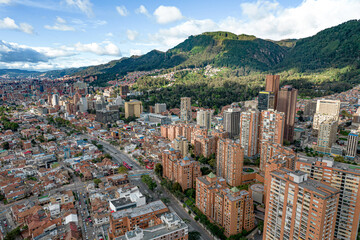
<point x="75" y="33"/>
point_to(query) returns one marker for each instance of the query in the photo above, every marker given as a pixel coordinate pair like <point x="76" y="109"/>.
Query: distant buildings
<point x="107" y="116"/>
<point x="272" y="124"/>
<point x="231" y="122"/>
<point x="55" y="100"/>
<point x="133" y="108"/>
<point x="185" y="109"/>
<point x="203" y="118"/>
<point x="272" y="84"/>
<point x="230" y="208"/>
<point x="352" y="144"/>
<point x="298" y="207"/>
<point x="286" y="103"/>
<point x="249" y="132"/>
<point x="326" y="136"/>
<point x="181" y="144"/>
<point x="230" y="158"/>
<point x="266" y="100"/>
<point x="160" y="108"/>
<point x="326" y="110"/>
<point x="124" y="90"/>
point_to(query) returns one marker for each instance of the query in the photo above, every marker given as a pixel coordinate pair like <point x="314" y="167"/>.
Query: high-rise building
<point x="249" y="132"/>
<point x="230" y="160"/>
<point x="203" y="118"/>
<point x="310" y="108"/>
<point x="185" y="109"/>
<point x="55" y="100"/>
<point x="266" y="100"/>
<point x="181" y="144"/>
<point x="286" y="103"/>
<point x="133" y="108"/>
<point x="272" y="125"/>
<point x="326" y="136"/>
<point x="180" y="169"/>
<point x="326" y="110"/>
<point x="205" y="145"/>
<point x="231" y="122"/>
<point x="83" y="105"/>
<point x="268" y="150"/>
<point x="160" y="108"/>
<point x="230" y="208"/>
<point x="345" y="178"/>
<point x="298" y="207"/>
<point x="272" y="85"/>
<point x="124" y="90"/>
<point x="76" y="98"/>
<point x="352" y="144"/>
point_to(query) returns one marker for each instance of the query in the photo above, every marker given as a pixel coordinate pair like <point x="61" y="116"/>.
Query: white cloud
<point x="122" y="10"/>
<point x="142" y="10"/>
<point x="167" y="14"/>
<point x="5" y="1"/>
<point x="104" y="48"/>
<point x="131" y="34"/>
<point x="60" y="25"/>
<point x="268" y="19"/>
<point x="9" y="23"/>
<point x="109" y="34"/>
<point x="173" y="36"/>
<point x="135" y="52"/>
<point x="84" y="5"/>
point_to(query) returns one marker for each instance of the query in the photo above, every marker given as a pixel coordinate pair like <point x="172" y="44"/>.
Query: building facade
<point x="133" y="108"/>
<point x="326" y="110"/>
<point x="249" y="132"/>
<point x="272" y="84"/>
<point x="185" y="109"/>
<point x="203" y="118"/>
<point x="272" y="124"/>
<point x="352" y="144"/>
<point x="266" y="100"/>
<point x="231" y="122"/>
<point x="327" y="136"/>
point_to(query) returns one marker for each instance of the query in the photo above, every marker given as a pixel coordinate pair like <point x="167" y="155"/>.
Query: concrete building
<point x="180" y="169"/>
<point x="203" y="118"/>
<point x="268" y="150"/>
<point x="327" y="136"/>
<point x="272" y="124"/>
<point x="298" y="207"/>
<point x="185" y="109"/>
<point x="345" y="178"/>
<point x="128" y="198"/>
<point x="230" y="208"/>
<point x="230" y="160"/>
<point x="326" y="110"/>
<point x="106" y="116"/>
<point x="272" y="84"/>
<point x="171" y="227"/>
<point x="286" y="103"/>
<point x="310" y="108"/>
<point x="160" y="108"/>
<point x="181" y="144"/>
<point x="142" y="217"/>
<point x="231" y="122"/>
<point x="83" y="105"/>
<point x="55" y="100"/>
<point x="266" y="100"/>
<point x="205" y="145"/>
<point x="133" y="108"/>
<point x="124" y="90"/>
<point x="249" y="132"/>
<point x="154" y="119"/>
<point x="352" y="144"/>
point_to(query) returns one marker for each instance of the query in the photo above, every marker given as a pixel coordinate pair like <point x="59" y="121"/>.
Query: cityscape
<point x="218" y="135"/>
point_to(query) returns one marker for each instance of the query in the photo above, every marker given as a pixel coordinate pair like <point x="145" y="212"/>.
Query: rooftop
<point x="142" y="210"/>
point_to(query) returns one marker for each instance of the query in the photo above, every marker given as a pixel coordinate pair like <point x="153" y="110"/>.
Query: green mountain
<point x="18" y="73"/>
<point x="221" y="49"/>
<point x="334" y="47"/>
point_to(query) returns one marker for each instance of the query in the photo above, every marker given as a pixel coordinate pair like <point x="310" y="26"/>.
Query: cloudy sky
<point x="54" y="34"/>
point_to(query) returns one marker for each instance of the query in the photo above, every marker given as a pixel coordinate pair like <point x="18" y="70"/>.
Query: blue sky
<point x="53" y="34"/>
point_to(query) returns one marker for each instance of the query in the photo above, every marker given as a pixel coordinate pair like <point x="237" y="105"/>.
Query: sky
<point x="54" y="34"/>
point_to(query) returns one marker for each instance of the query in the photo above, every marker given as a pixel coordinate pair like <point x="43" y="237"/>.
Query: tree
<point x="176" y="187"/>
<point x="97" y="182"/>
<point x="5" y="145"/>
<point x="159" y="169"/>
<point x="122" y="170"/>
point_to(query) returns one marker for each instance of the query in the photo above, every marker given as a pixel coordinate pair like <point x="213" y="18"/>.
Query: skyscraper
<point x="249" y="132"/>
<point x="352" y="144"/>
<point x="55" y="100"/>
<point x="230" y="160"/>
<point x="160" y="108"/>
<point x="185" y="109"/>
<point x="286" y="103"/>
<point x="325" y="110"/>
<point x="326" y="136"/>
<point x="298" y="207"/>
<point x="231" y="122"/>
<point x="266" y="100"/>
<point x="345" y="178"/>
<point x="272" y="125"/>
<point x="203" y="118"/>
<point x="272" y="85"/>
